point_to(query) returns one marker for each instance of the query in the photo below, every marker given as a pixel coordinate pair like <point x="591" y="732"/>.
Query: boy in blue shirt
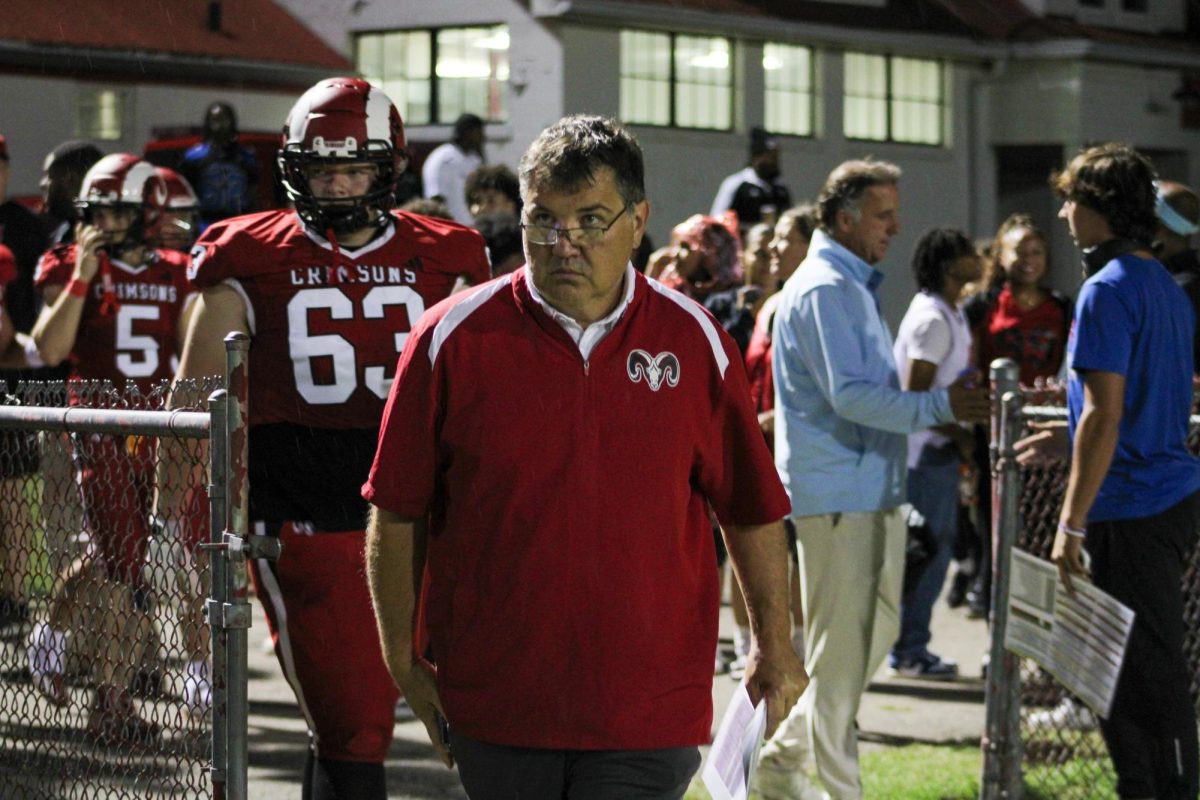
<point x="1133" y="495"/>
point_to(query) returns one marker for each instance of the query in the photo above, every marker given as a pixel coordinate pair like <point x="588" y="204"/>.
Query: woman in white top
<point x="933" y="347"/>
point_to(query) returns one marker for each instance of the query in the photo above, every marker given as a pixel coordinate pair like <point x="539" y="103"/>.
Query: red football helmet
<point x="177" y="228"/>
<point x="123" y="180"/>
<point x="343" y="120"/>
<point x="180" y="195"/>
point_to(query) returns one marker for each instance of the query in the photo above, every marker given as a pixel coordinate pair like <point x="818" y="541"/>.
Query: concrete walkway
<point x="894" y="712"/>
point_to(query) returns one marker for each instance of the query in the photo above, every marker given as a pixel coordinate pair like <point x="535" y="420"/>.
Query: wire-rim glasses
<point x="582" y="236"/>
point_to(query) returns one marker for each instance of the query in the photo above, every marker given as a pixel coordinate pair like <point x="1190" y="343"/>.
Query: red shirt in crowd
<point x="758" y="358"/>
<point x="1035" y="338"/>
<point x="137" y="342"/>
<point x="572" y="597"/>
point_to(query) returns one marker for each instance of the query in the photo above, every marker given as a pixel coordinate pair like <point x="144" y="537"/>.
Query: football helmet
<point x="177" y="228"/>
<point x="342" y="120"/>
<point x="123" y="180"/>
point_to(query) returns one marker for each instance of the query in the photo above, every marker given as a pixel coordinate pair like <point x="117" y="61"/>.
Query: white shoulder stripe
<point x="697" y="313"/>
<point x="459" y="313"/>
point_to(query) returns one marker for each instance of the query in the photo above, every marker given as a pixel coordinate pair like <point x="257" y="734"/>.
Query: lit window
<point x="890" y="98"/>
<point x="646" y="77"/>
<point x="434" y="75"/>
<point x="99" y="114"/>
<point x="788" y="81"/>
<point x="676" y="80"/>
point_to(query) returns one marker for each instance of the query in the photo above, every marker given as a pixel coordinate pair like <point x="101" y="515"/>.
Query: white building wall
<point x="536" y="89"/>
<point x="567" y="67"/>
<point x="1134" y="104"/>
<point x="1075" y="104"/>
<point x="1035" y="102"/>
<point x="684" y="168"/>
<point x="37" y="113"/>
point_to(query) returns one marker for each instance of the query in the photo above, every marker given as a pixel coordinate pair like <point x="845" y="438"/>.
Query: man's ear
<point x="843" y="221"/>
<point x="641" y="216"/>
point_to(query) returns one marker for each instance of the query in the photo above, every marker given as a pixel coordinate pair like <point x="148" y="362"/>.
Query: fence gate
<point x="104" y="649"/>
<point x="1047" y="741"/>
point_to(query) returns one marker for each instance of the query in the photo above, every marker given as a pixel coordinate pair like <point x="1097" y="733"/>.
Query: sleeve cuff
<point x="941" y="406"/>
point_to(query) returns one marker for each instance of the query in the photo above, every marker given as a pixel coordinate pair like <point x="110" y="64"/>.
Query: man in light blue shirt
<point x="841" y="425"/>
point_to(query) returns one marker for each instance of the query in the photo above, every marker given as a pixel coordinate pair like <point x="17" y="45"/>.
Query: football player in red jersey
<point x="327" y="293"/>
<point x="111" y="307"/>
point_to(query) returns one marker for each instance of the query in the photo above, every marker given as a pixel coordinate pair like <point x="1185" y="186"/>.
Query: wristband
<point x="1078" y="533"/>
<point x="32" y="357"/>
<point x="77" y="287"/>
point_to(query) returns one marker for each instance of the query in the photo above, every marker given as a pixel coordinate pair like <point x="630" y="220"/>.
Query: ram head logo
<point x="658" y="369"/>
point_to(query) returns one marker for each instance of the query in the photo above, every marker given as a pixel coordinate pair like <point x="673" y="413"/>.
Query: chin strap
<point x="108" y="300"/>
<point x="1096" y="257"/>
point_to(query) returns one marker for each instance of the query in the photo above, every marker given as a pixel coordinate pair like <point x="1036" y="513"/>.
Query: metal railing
<point x="103" y="651"/>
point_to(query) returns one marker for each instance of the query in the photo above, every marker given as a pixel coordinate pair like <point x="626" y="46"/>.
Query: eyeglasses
<point x="582" y="236"/>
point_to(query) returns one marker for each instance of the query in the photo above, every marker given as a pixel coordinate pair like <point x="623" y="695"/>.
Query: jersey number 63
<point x="305" y="346"/>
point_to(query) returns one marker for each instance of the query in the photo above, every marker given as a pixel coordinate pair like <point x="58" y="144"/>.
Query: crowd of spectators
<point x="880" y="442"/>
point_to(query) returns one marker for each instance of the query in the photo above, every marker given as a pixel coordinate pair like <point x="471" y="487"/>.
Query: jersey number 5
<point x="305" y="347"/>
<point x="137" y="355"/>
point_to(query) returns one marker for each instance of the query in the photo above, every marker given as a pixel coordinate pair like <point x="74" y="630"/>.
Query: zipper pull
<point x="586" y="367"/>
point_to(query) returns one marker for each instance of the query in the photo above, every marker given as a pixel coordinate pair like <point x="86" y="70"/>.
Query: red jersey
<point x="137" y="342"/>
<point x="1035" y="338"/>
<point x="758" y="357"/>
<point x="568" y="503"/>
<point x="327" y="327"/>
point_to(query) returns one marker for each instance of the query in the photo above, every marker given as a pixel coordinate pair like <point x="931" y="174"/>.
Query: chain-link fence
<point x="1056" y="737"/>
<point x="108" y="681"/>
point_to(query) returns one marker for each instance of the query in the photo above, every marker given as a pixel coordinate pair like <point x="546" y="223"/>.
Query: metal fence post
<point x="237" y="609"/>
<point x="218" y="576"/>
<point x="1002" y="737"/>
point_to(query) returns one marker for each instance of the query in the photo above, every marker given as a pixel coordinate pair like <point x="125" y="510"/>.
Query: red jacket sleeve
<point x="403" y="476"/>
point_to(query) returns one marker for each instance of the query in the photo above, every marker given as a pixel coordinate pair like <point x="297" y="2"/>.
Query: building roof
<point x="927" y="16"/>
<point x="68" y="35"/>
<point x="991" y="20"/>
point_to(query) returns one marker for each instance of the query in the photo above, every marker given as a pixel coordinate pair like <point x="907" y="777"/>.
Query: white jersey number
<point x="137" y="355"/>
<point x="305" y="347"/>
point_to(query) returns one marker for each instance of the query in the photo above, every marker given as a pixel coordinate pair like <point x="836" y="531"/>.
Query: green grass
<point x="40" y="578"/>
<point x="952" y="772"/>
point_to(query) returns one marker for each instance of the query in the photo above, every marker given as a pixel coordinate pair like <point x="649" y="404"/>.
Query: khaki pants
<point x="851" y="571"/>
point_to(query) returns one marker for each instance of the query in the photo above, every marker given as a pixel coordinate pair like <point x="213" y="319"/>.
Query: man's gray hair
<point x="567" y="155"/>
<point x="846" y="185"/>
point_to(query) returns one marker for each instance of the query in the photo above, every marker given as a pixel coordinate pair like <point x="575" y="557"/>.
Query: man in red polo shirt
<point x="551" y="446"/>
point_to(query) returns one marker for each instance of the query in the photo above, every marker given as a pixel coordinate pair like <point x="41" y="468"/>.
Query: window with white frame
<point x="894" y="99"/>
<point x="676" y="80"/>
<point x="788" y="86"/>
<point x="99" y="113"/>
<point x="434" y="75"/>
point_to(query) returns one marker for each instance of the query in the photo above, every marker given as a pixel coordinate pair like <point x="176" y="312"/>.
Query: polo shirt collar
<point x="586" y="338"/>
<point x="845" y="262"/>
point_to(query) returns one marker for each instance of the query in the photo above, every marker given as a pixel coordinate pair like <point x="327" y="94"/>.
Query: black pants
<point x="497" y="772"/>
<point x="1151" y="729"/>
